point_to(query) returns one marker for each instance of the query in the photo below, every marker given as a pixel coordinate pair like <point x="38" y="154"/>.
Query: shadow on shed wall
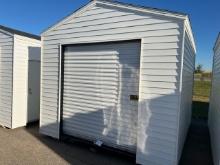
<point x="73" y="151"/>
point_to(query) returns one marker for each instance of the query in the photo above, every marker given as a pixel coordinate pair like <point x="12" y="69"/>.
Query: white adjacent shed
<point x="18" y="50"/>
<point x="214" y="109"/>
<point x="121" y="75"/>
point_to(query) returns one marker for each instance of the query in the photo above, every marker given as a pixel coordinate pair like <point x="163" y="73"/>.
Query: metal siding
<point x="186" y="92"/>
<point x="6" y="60"/>
<point x="214" y="113"/>
<point x="160" y="64"/>
<point x="22" y="51"/>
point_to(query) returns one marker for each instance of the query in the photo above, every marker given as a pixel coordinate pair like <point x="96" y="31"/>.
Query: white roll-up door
<point x="100" y="85"/>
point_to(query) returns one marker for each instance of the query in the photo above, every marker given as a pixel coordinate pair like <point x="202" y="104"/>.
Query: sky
<point x="34" y="16"/>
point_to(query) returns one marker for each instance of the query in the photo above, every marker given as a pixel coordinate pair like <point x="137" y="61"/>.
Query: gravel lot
<point x="26" y="146"/>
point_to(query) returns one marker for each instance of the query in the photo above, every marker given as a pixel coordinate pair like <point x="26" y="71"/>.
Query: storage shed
<point x="19" y="66"/>
<point x="214" y="109"/>
<point x="121" y="76"/>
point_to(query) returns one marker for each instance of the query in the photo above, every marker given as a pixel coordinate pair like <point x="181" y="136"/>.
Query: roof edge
<point x="18" y="32"/>
<point x="190" y="32"/>
<point x="145" y="8"/>
<point x="119" y="4"/>
<point x="6" y="32"/>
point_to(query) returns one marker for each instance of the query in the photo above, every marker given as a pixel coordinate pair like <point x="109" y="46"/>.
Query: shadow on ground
<point x="200" y="110"/>
<point x="197" y="148"/>
<point x="79" y="153"/>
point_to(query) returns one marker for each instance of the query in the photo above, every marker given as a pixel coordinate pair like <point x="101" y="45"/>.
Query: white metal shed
<point x="19" y="64"/>
<point x="214" y="110"/>
<point x="121" y="75"/>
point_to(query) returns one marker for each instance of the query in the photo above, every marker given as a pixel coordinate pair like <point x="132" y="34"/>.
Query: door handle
<point x="29" y="90"/>
<point x="134" y="97"/>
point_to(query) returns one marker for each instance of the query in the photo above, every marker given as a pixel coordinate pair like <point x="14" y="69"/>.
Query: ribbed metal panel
<point x="98" y="82"/>
<point x="6" y="55"/>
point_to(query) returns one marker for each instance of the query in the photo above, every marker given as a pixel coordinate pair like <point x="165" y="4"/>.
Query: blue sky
<point x="35" y="16"/>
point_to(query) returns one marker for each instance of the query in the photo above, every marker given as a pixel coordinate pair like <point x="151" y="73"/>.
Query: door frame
<point x="61" y="73"/>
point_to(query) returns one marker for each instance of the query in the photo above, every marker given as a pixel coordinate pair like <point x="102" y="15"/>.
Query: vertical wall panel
<point x="186" y="92"/>
<point x="214" y="110"/>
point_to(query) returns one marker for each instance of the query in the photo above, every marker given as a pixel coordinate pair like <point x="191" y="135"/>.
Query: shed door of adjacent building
<point x="33" y="90"/>
<point x="99" y="94"/>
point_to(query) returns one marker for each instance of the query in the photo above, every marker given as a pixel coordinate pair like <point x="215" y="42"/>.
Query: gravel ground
<point x="25" y="146"/>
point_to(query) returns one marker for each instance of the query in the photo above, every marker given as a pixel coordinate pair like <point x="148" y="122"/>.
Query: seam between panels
<point x="140" y="94"/>
<point x="41" y="71"/>
<point x="12" y="90"/>
<point x="59" y="92"/>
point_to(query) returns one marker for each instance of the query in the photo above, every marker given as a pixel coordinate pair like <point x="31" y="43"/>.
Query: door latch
<point x="134" y="97"/>
<point x="29" y="91"/>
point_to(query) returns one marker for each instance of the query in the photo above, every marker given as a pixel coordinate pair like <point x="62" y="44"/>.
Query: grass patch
<point x="201" y="91"/>
<point x="201" y="94"/>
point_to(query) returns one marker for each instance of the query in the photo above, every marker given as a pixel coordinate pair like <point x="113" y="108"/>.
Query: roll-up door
<point x="100" y="93"/>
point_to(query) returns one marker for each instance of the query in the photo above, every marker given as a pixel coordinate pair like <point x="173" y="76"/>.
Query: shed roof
<point x="18" y="32"/>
